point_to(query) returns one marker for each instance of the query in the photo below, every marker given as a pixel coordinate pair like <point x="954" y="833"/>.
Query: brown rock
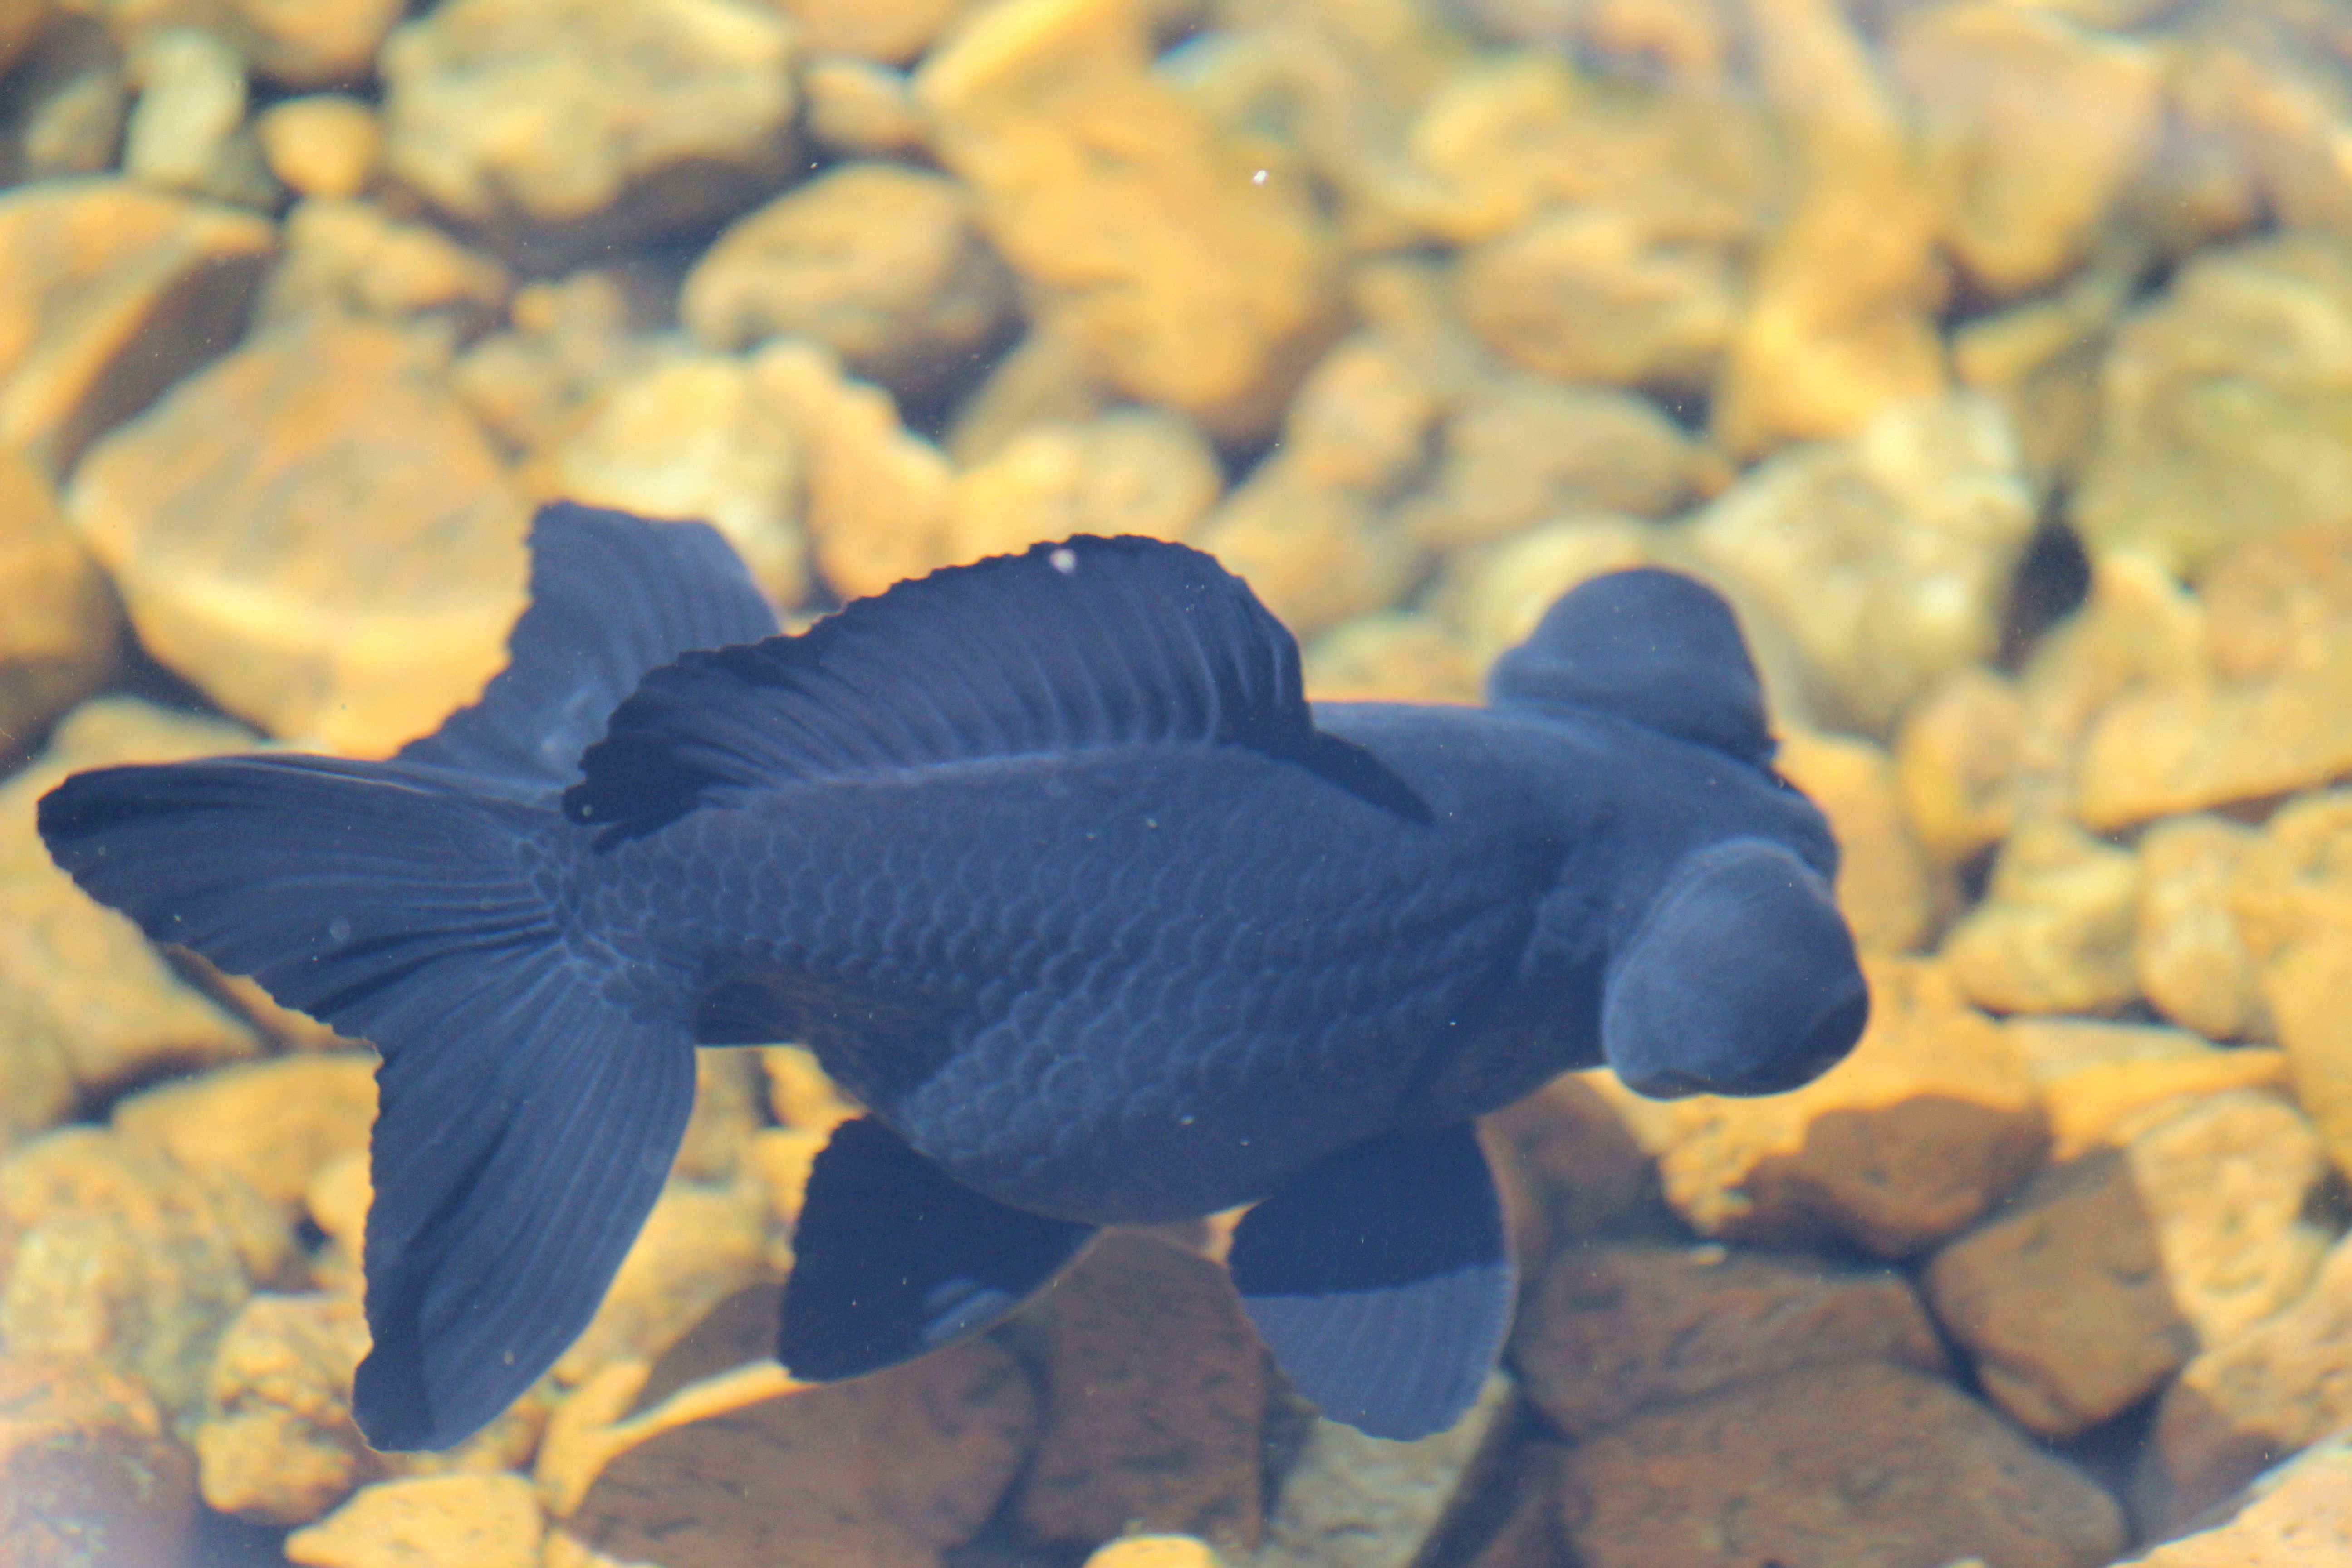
<point x="1154" y="1392"/>
<point x="21" y="23"/>
<point x="1886" y="560"/>
<point x="347" y="569"/>
<point x="1956" y="753"/>
<point x="1617" y="1329"/>
<point x="109" y="293"/>
<point x="2243" y="1406"/>
<point x="327" y="146"/>
<point x="2100" y="1081"/>
<point x="1190" y="284"/>
<point x="2295" y="912"/>
<point x="888" y="1470"/>
<point x="860" y="109"/>
<point x="2298" y="1513"/>
<point x="2192" y="963"/>
<point x="878" y="261"/>
<point x="67" y="103"/>
<point x="1133" y="470"/>
<point x="561" y="128"/>
<point x="2106" y="1274"/>
<point x="1588" y="295"/>
<point x="2054" y="931"/>
<point x="57" y="638"/>
<point x="1567" y="1166"/>
<point x="1910" y="1139"/>
<point x="1519" y="450"/>
<point x="85" y="1005"/>
<point x="274" y="1125"/>
<point x="1858" y="1463"/>
<point x="2030" y="129"/>
<point x="279" y="1446"/>
<point x="1529" y="1534"/>
<point x="482" y="1520"/>
<point x="890" y="30"/>
<point x="1888" y="891"/>
<point x="109" y="1253"/>
<point x="88" y="1474"/>
<point x="1354" y="1502"/>
<point x="1394" y="655"/>
<point x="355" y="258"/>
<point x="703" y="437"/>
<point x="1840" y="326"/>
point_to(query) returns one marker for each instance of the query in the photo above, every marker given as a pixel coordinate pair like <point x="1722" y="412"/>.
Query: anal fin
<point x="892" y="1258"/>
<point x="1381" y="1281"/>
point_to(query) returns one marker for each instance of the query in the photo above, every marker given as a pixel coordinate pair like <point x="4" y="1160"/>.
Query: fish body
<point x="1052" y="865"/>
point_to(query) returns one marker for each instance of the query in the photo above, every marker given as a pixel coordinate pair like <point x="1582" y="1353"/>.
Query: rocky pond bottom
<point x="1994" y="357"/>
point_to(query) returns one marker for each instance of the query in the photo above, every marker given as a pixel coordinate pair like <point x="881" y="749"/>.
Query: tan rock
<point x="187" y="131"/>
<point x="1363" y="417"/>
<point x="2054" y="931"/>
<point x="700" y="437"/>
<point x="699" y="1245"/>
<point x="861" y="110"/>
<point x="251" y="567"/>
<point x="68" y="101"/>
<point x="890" y="30"/>
<point x="2030" y="129"/>
<point x="57" y="638"/>
<point x="22" y="22"/>
<point x="1518" y="450"/>
<point x="1155" y="1552"/>
<point x="560" y="128"/>
<point x="89" y="1472"/>
<point x="337" y="1202"/>
<point x="799" y="1092"/>
<point x="2227" y="404"/>
<point x="109" y="293"/>
<point x="85" y="1005"/>
<point x="1885" y="560"/>
<point x="2100" y="1081"/>
<point x="1495" y="593"/>
<point x="1393" y="656"/>
<point x="1616" y="1329"/>
<point x="328" y="146"/>
<point x="1190" y="284"/>
<point x="355" y="258"/>
<point x="1956" y="753"/>
<point x="571" y="339"/>
<point x="2300" y="1512"/>
<point x="274" y="1125"/>
<point x="1041" y="380"/>
<point x="1353" y="1501"/>
<point x="889" y="1469"/>
<point x="2106" y="1274"/>
<point x="484" y="1520"/>
<point x="108" y="1252"/>
<point x="2039" y="358"/>
<point x="2192" y="963"/>
<point x="880" y="262"/>
<point x="315" y="44"/>
<point x="2293" y="907"/>
<point x="1929" y="1121"/>
<point x="1589" y="295"/>
<point x="1839" y="325"/>
<point x="1888" y="891"/>
<point x="2240" y="1407"/>
<point x="728" y="1091"/>
<point x="1316" y="554"/>
<point x="1132" y="471"/>
<point x="876" y="495"/>
<point x="279" y="1446"/>
<point x="1154" y="1392"/>
<point x="1854" y="1462"/>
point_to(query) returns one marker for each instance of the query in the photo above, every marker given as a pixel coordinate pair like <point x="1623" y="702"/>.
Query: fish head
<point x="1740" y="978"/>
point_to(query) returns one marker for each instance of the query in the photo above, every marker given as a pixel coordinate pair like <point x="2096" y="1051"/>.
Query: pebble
<point x="1390" y="655"/>
<point x="22" y="22"/>
<point x="1846" y="1462"/>
<point x="2192" y="964"/>
<point x="2298" y="1513"/>
<point x="1889" y="893"/>
<point x="2103" y="1276"/>
<point x="2290" y="899"/>
<point x="187" y="130"/>
<point x="427" y="1521"/>
<point x="1928" y="1122"/>
<point x="1615" y="1329"/>
<point x="1314" y="554"/>
<point x="69" y="104"/>
<point x="277" y="1445"/>
<point x="326" y="145"/>
<point x="1155" y="1390"/>
<point x="1495" y="595"/>
<point x="355" y="258"/>
<point x="346" y="572"/>
<point x="1354" y="1502"/>
<point x="880" y="262"/>
<point x="1137" y="471"/>
<point x="274" y="1125"/>
<point x="861" y="110"/>
<point x="1886" y="560"/>
<point x="2100" y="1079"/>
<point x="1189" y="284"/>
<point x="318" y="43"/>
<point x="892" y="31"/>
<point x="109" y="293"/>
<point x="58" y="639"/>
<point x="700" y="1245"/>
<point x="89" y="1471"/>
<point x="1155" y="1552"/>
<point x="1956" y="755"/>
<point x="561" y="128"/>
<point x="2054" y="931"/>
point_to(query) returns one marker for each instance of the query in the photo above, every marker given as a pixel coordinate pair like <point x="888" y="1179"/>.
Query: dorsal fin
<point x="612" y="596"/>
<point x="1655" y="648"/>
<point x="1088" y="642"/>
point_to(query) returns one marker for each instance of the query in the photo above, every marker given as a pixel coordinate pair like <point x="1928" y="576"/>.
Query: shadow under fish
<point x="1051" y="862"/>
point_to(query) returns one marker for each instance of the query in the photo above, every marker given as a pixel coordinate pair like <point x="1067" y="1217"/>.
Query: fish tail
<point x="526" y="1118"/>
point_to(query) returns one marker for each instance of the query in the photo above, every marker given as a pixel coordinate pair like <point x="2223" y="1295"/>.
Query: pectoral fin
<point x="1381" y="1281"/>
<point x="892" y="1258"/>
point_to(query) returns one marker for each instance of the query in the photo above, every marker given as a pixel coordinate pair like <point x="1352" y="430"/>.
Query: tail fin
<point x="528" y="1114"/>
